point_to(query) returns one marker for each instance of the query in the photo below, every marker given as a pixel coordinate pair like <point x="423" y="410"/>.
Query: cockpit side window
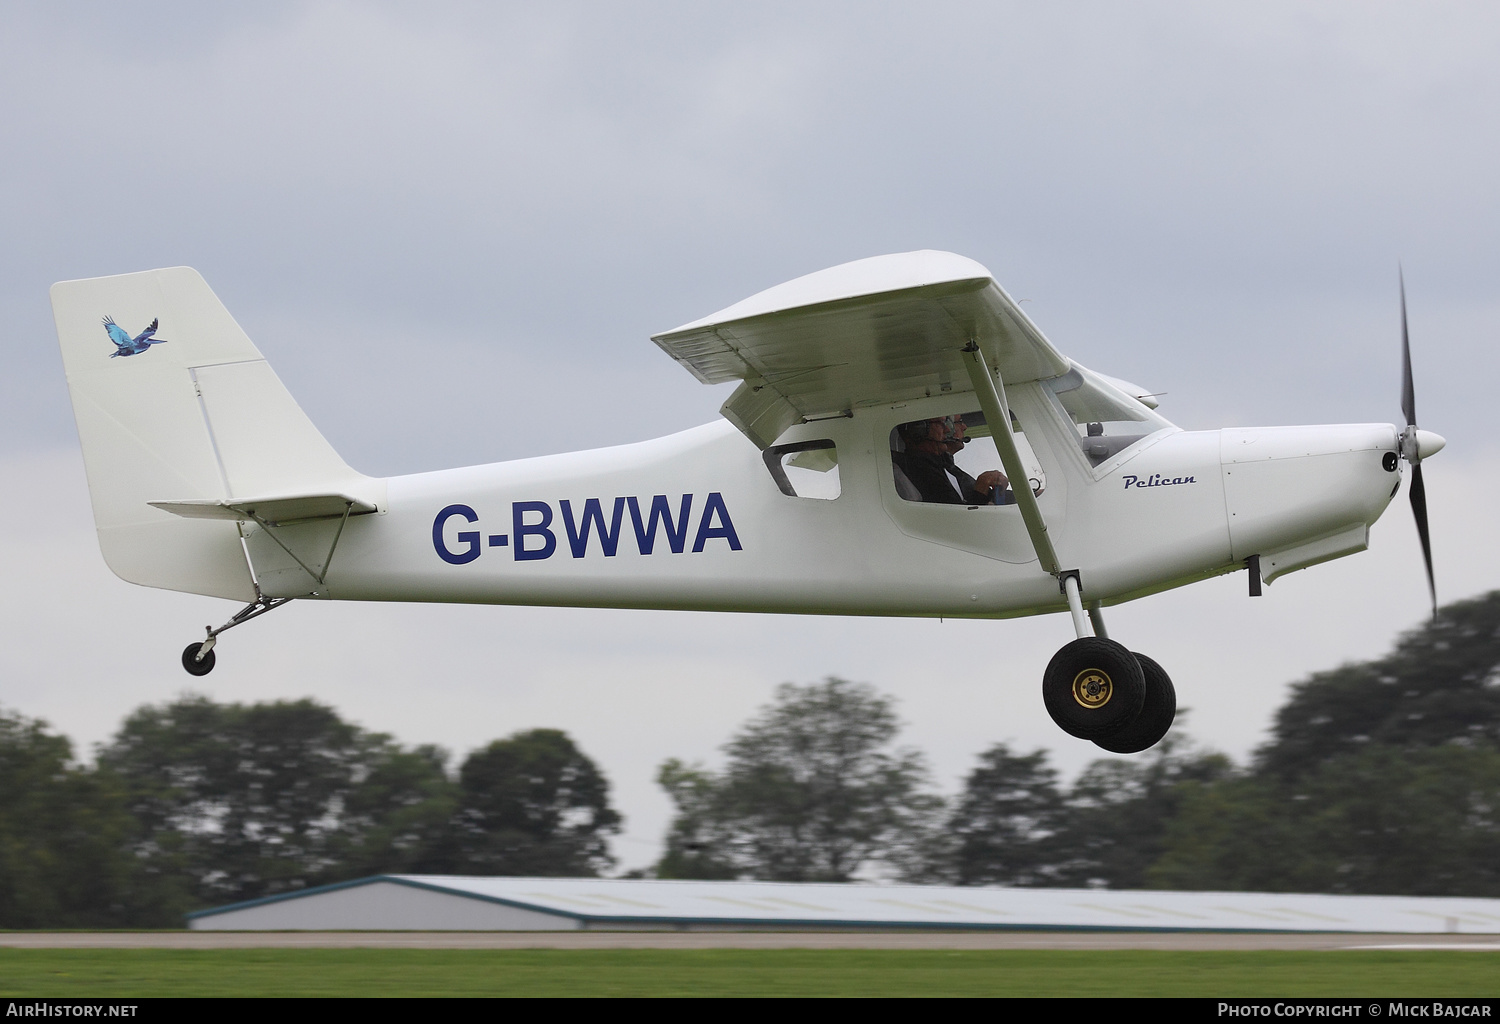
<point x="1107" y="420"/>
<point x="805" y="469"/>
<point x="950" y="460"/>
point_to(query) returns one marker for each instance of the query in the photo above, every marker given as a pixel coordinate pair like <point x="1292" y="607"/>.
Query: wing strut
<point x="991" y="394"/>
<point x="270" y="529"/>
<point x="997" y="414"/>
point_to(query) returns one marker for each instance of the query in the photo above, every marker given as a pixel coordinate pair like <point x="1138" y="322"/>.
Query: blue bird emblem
<point x="125" y="345"/>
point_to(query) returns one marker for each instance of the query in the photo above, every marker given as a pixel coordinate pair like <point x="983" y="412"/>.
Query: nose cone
<point x="1429" y="444"/>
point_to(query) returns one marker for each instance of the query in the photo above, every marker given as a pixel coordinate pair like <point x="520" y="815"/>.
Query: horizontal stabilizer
<point x="275" y="511"/>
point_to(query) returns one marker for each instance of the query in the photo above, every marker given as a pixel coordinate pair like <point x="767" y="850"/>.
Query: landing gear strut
<point x="198" y="658"/>
<point x="1096" y="689"/>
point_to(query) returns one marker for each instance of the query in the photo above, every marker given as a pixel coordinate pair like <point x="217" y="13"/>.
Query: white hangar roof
<point x="459" y="903"/>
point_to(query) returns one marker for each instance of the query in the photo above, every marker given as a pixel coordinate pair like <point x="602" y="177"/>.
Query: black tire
<point x="1156" y="716"/>
<point x="1093" y="687"/>
<point x="190" y="662"/>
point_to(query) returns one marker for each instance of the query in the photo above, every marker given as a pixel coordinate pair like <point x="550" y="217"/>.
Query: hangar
<point x="460" y="903"/>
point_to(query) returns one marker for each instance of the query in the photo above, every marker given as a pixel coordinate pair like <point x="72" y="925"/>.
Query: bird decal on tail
<point x="125" y="345"/>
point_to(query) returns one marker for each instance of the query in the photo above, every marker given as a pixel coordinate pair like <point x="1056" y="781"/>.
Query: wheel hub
<point x="1092" y="688"/>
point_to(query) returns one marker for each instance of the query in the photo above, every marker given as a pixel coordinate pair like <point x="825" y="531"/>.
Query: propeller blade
<point x="1418" y="494"/>
<point x="1408" y="393"/>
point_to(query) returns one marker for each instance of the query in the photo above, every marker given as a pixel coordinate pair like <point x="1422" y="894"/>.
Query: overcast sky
<point x="453" y="227"/>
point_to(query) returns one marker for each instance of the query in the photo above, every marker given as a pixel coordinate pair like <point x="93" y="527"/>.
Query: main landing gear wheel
<point x="1093" y="687"/>
<point x="1157" y="712"/>
<point x="197" y="666"/>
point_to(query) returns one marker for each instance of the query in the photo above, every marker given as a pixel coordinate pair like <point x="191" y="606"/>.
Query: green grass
<point x="726" y="972"/>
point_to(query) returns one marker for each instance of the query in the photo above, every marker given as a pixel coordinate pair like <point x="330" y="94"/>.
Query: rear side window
<point x="805" y="469"/>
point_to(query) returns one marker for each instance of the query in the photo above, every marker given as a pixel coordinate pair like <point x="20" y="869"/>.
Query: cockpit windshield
<point x="1108" y="421"/>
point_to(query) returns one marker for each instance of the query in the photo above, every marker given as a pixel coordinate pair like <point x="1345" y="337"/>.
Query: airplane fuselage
<point x="696" y="520"/>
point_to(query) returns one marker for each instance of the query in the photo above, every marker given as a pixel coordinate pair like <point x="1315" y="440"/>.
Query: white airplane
<point x="903" y="442"/>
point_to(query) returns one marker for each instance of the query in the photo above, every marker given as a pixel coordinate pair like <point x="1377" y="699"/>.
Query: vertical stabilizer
<point x="174" y="403"/>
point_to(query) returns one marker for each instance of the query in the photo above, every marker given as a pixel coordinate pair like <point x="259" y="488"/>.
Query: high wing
<point x="872" y="332"/>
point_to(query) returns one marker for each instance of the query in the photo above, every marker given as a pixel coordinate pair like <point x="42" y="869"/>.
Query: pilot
<point x="927" y="464"/>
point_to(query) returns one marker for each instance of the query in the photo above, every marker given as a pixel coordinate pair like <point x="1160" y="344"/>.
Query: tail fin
<point x="193" y="413"/>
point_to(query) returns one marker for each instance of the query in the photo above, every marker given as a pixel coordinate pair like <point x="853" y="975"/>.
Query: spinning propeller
<point x="1415" y="446"/>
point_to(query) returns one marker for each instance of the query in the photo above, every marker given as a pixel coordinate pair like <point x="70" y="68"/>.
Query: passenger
<point x="928" y="464"/>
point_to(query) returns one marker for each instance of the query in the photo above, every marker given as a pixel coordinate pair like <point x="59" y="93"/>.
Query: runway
<point x="746" y="940"/>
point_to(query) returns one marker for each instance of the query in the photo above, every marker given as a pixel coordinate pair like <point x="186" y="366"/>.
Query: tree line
<point x="195" y="804"/>
<point x="1378" y="777"/>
